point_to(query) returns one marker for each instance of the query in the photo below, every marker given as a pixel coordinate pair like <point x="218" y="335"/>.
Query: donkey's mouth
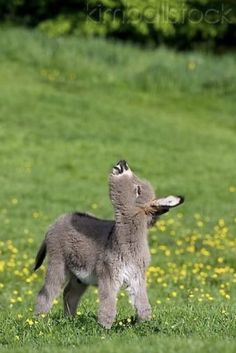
<point x="120" y="168"/>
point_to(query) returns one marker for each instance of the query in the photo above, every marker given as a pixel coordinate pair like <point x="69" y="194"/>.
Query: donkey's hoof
<point x="144" y="314"/>
<point x="105" y="322"/>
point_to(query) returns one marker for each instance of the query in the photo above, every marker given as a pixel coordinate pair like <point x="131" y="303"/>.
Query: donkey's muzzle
<point x="120" y="167"/>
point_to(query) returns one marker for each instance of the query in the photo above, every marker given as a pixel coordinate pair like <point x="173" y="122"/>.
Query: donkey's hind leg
<point x="55" y="279"/>
<point x="72" y="295"/>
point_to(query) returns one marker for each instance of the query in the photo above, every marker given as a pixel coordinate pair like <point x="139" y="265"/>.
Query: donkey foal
<point x="84" y="250"/>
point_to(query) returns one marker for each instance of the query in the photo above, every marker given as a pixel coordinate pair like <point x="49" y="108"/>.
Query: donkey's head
<point x="123" y="189"/>
<point x="128" y="191"/>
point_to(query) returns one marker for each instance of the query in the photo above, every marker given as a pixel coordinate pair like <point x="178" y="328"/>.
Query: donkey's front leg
<point x="107" y="302"/>
<point x="139" y="298"/>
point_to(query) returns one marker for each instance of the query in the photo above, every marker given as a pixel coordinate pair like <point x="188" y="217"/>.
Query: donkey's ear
<point x="169" y="201"/>
<point x="138" y="190"/>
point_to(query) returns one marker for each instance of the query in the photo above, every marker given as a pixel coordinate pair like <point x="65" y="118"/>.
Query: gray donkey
<point x="84" y="250"/>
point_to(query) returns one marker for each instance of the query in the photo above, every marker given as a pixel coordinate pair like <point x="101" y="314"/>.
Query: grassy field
<point x="69" y="109"/>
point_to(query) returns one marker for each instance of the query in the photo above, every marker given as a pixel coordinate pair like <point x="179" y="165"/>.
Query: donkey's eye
<point x="138" y="190"/>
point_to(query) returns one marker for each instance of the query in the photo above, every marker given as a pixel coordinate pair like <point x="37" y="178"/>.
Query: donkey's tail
<point x="40" y="256"/>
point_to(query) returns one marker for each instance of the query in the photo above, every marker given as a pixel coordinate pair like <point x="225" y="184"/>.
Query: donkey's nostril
<point x="116" y="170"/>
<point x="120" y="168"/>
<point x="123" y="165"/>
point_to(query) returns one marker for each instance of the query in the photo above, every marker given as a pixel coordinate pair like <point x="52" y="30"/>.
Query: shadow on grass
<point x="88" y="324"/>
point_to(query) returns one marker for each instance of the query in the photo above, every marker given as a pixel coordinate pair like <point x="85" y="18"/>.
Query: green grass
<point x="69" y="109"/>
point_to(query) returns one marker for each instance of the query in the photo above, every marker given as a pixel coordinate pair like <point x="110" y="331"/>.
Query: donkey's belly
<point x="86" y="277"/>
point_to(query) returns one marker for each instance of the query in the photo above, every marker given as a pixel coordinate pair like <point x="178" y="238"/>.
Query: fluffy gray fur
<point x="84" y="250"/>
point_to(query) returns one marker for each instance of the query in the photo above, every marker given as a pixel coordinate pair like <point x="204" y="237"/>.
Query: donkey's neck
<point x="131" y="228"/>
